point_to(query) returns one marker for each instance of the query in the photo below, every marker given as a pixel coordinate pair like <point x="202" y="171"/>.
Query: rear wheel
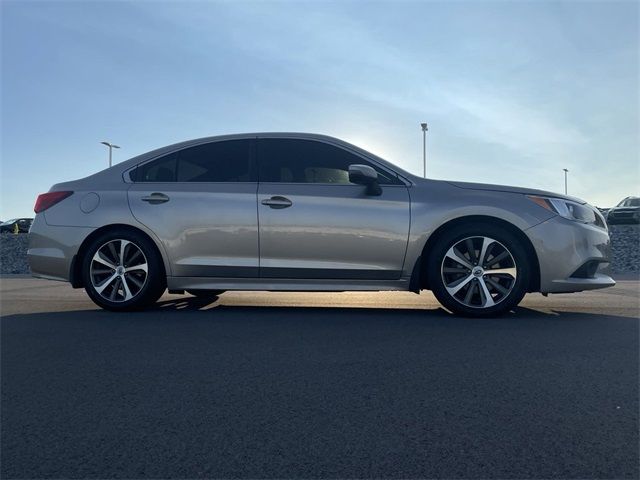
<point x="122" y="270"/>
<point x="479" y="270"/>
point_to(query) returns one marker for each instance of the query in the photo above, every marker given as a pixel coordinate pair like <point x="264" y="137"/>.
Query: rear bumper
<point x="52" y="249"/>
<point x="564" y="249"/>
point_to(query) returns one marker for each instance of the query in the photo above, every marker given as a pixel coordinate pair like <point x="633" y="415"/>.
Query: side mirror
<point x="365" y="175"/>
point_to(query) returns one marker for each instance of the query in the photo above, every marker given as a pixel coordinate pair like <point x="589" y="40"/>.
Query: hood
<point x="510" y="189"/>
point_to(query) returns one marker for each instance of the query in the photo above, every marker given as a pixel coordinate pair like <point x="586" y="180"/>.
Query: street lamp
<point x="424" y="148"/>
<point x="565" y="180"/>
<point x="111" y="147"/>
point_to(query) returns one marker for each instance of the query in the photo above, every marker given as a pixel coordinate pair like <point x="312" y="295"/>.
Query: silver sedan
<point x="285" y="211"/>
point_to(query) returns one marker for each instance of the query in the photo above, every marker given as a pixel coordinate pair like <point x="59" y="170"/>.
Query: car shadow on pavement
<point x="188" y="308"/>
<point x="195" y="304"/>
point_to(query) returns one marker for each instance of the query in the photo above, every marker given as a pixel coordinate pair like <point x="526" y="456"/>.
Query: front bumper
<point x="566" y="250"/>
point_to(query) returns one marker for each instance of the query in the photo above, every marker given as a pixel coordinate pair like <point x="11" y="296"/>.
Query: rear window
<point x="215" y="162"/>
<point x="226" y="161"/>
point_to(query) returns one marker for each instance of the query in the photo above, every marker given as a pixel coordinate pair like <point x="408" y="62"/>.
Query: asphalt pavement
<point x="325" y="385"/>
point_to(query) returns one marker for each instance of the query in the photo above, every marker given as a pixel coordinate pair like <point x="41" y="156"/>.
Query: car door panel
<point x="201" y="202"/>
<point x="333" y="231"/>
<point x="207" y="229"/>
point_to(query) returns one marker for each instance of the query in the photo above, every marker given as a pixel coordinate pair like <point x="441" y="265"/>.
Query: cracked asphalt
<point x="325" y="385"/>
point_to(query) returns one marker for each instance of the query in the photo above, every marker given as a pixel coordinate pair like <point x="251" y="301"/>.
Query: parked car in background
<point x="306" y="212"/>
<point x="627" y="211"/>
<point x="23" y="225"/>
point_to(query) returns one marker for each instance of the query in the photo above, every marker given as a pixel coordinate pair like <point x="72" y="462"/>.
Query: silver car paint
<point x="197" y="217"/>
<point x="52" y="248"/>
<point x="562" y="246"/>
<point x="361" y="233"/>
<point x="333" y="231"/>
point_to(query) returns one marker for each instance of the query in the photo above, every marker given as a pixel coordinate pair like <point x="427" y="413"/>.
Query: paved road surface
<point x="318" y="385"/>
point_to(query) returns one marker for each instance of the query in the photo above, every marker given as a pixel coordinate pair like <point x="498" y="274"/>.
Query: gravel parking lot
<point x="296" y="385"/>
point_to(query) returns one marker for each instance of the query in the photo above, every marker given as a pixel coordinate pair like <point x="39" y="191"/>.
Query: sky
<point x="513" y="92"/>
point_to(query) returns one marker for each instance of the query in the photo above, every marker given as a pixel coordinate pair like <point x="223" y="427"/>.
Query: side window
<point x="160" y="170"/>
<point x="226" y="161"/>
<point x="285" y="160"/>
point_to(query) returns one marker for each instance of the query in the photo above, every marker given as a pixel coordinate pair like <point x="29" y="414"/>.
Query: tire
<point x="459" y="281"/>
<point x="205" y="293"/>
<point x="109" y="287"/>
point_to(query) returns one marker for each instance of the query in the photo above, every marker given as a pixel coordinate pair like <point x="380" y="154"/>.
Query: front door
<point x="315" y="224"/>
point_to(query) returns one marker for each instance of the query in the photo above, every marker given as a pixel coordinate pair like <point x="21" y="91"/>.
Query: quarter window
<point x="161" y="170"/>
<point x="308" y="161"/>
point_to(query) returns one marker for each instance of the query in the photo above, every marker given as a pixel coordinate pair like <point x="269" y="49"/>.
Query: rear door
<point x="315" y="224"/>
<point x="201" y="203"/>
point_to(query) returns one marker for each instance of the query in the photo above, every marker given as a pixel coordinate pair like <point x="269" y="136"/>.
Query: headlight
<point x="570" y="210"/>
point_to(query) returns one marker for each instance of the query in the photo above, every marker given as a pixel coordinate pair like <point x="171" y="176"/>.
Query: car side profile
<point x="307" y="212"/>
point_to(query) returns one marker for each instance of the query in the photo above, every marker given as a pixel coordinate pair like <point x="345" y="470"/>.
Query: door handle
<point x="155" y="198"/>
<point x="277" y="202"/>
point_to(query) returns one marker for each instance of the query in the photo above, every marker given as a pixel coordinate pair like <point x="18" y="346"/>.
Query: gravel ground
<point x="13" y="253"/>
<point x="625" y="246"/>
<point x="625" y="242"/>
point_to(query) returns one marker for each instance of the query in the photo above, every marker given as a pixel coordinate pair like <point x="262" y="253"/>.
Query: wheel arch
<point x="419" y="277"/>
<point x="75" y="273"/>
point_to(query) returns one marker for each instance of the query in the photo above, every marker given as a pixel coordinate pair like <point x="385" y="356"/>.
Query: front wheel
<point x="479" y="270"/>
<point x="122" y="270"/>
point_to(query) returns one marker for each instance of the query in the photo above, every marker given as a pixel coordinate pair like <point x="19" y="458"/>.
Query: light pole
<point x="111" y="147"/>
<point x="424" y="148"/>
<point x="565" y="180"/>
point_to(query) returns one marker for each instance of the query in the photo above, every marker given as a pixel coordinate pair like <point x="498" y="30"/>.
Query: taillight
<point x="47" y="200"/>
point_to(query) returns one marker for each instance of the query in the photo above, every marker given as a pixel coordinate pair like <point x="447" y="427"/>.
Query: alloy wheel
<point x="119" y="270"/>
<point x="479" y="272"/>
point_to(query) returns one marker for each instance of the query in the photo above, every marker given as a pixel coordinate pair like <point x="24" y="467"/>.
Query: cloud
<point x="506" y="121"/>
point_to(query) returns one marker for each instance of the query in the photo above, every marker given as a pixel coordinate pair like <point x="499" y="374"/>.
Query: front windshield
<point x="8" y="222"/>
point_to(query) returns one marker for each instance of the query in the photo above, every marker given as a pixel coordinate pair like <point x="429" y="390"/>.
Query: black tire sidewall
<point x="504" y="236"/>
<point x="156" y="281"/>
